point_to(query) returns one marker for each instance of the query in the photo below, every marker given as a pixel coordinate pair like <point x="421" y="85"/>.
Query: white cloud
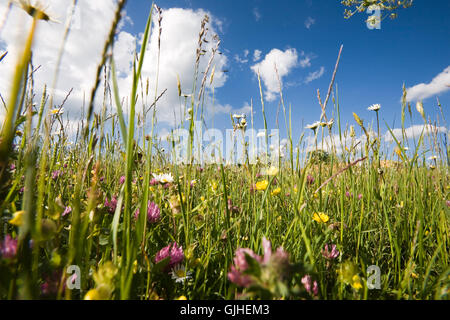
<point x="257" y="55"/>
<point x="309" y="22"/>
<point x="422" y="91"/>
<point x="82" y="52"/>
<point x="244" y="59"/>
<point x="315" y="75"/>
<point x="257" y="14"/>
<point x="284" y="61"/>
<point x="305" y="62"/>
<point x="413" y="132"/>
<point x="180" y="30"/>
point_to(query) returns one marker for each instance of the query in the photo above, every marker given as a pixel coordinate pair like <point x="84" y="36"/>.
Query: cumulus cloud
<point x="82" y="52"/>
<point x="257" y="55"/>
<point x="422" y="91"/>
<point x="414" y="132"/>
<point x="315" y="75"/>
<point x="180" y="30"/>
<point x="309" y="22"/>
<point x="284" y="61"/>
<point x="179" y="41"/>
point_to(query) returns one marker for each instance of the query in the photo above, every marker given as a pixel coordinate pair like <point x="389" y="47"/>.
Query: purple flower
<point x="51" y="284"/>
<point x="174" y="252"/>
<point x="360" y="196"/>
<point x="56" y="174"/>
<point x="330" y="255"/>
<point x="12" y="167"/>
<point x="348" y="194"/>
<point x="278" y="260"/>
<point x="8" y="248"/>
<point x="122" y="180"/>
<point x="67" y="211"/>
<point x="310" y="286"/>
<point x="448" y="203"/>
<point x="310" y="179"/>
<point x="111" y="205"/>
<point x="153" y="212"/>
<point x="154" y="182"/>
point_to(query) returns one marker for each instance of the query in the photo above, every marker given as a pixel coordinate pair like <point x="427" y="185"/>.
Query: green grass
<point x="396" y="218"/>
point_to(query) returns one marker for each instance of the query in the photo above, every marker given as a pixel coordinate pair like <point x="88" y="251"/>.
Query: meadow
<point x="101" y="214"/>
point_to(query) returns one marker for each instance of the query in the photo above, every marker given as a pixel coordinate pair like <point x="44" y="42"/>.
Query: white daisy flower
<point x="179" y="274"/>
<point x="163" y="178"/>
<point x="313" y="126"/>
<point x="374" y="107"/>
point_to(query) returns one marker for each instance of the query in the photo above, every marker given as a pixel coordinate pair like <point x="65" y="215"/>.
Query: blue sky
<point x="302" y="37"/>
<point x="412" y="49"/>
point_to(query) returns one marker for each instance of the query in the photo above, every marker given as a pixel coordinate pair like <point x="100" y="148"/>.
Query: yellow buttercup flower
<point x="356" y="282"/>
<point x="182" y="298"/>
<point x="321" y="217"/>
<point x="17" y="219"/>
<point x="262" y="185"/>
<point x="276" y="192"/>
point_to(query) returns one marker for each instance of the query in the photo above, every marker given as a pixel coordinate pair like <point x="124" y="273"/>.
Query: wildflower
<point x="179" y="274"/>
<point x="122" y="180"/>
<point x="153" y="212"/>
<point x="279" y="260"/>
<point x="67" y="210"/>
<point x="374" y="107"/>
<point x="17" y="219"/>
<point x="163" y="178"/>
<point x="8" y="249"/>
<point x="360" y="196"/>
<point x="56" y="174"/>
<point x="51" y="283"/>
<point x="414" y="275"/>
<point x="111" y="205"/>
<point x="193" y="183"/>
<point x="310" y="286"/>
<point x="313" y="126"/>
<point x="321" y="217"/>
<point x="432" y="158"/>
<point x="348" y="194"/>
<point x="174" y="252"/>
<point x="330" y="123"/>
<point x="182" y="298"/>
<point x="56" y="111"/>
<point x="243" y="123"/>
<point x="262" y="185"/>
<point x="276" y="192"/>
<point x="330" y="255"/>
<point x="238" y="116"/>
<point x="356" y="282"/>
<point x="448" y="203"/>
<point x="99" y="293"/>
